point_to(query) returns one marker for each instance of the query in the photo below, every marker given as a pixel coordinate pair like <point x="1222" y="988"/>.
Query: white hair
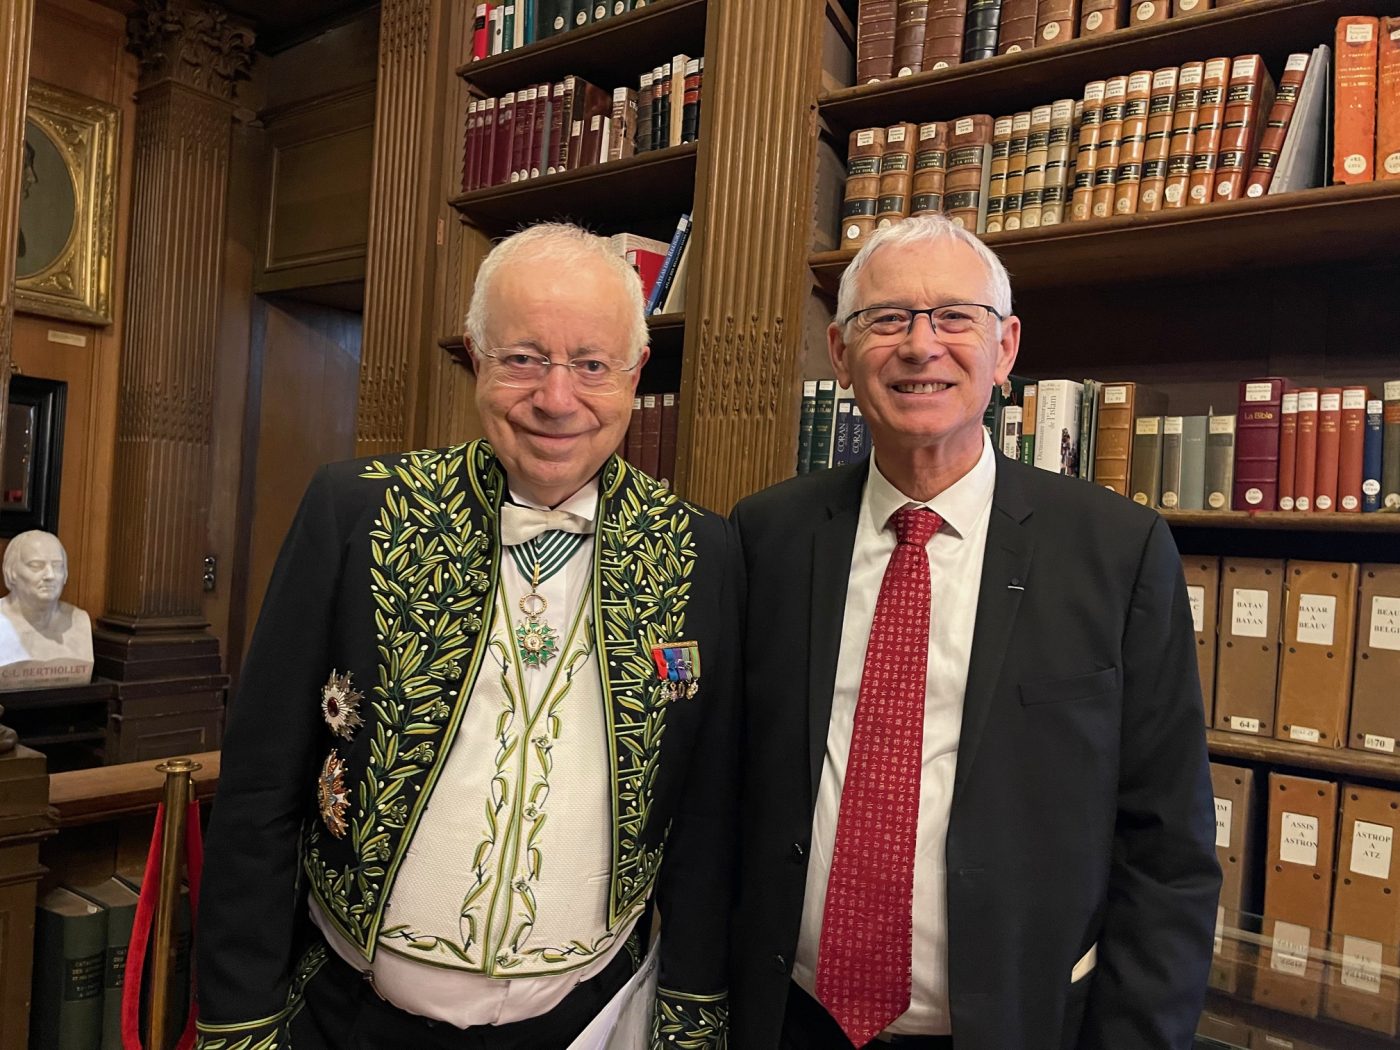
<point x="924" y="229"/>
<point x="564" y="245"/>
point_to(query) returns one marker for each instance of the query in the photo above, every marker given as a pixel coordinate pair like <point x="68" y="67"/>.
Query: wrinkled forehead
<point x="924" y="273"/>
<point x="39" y="548"/>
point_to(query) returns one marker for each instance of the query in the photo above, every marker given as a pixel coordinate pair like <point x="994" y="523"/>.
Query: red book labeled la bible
<point x="1258" y="423"/>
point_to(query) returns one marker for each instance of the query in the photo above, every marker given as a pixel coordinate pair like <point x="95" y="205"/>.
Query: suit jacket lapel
<point x="1006" y="569"/>
<point x="833" y="541"/>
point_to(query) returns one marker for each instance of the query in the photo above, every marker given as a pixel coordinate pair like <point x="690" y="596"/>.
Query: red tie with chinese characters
<point x="863" y="963"/>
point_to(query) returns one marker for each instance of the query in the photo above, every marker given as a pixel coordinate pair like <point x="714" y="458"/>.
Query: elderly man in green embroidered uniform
<point x="472" y="744"/>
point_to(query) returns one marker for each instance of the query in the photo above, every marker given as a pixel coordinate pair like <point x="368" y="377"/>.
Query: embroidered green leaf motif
<point x="690" y="1022"/>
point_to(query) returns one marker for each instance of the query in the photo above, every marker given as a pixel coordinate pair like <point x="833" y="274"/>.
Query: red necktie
<point x="863" y="964"/>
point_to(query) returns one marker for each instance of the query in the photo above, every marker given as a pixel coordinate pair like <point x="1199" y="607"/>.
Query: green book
<point x="804" y="426"/>
<point x="70" y="944"/>
<point x="119" y="900"/>
<point x="823" y="424"/>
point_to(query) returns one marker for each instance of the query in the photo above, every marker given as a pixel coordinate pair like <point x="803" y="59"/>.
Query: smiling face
<point x="923" y="394"/>
<point x="552" y="438"/>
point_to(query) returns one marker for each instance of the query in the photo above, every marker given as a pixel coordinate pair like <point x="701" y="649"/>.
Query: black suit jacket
<point x="1082" y="811"/>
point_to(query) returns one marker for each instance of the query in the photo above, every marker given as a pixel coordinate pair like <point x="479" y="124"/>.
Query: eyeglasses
<point x="951" y="319"/>
<point x="524" y="369"/>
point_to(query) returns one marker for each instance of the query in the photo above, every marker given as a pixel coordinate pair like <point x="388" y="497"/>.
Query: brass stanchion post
<point x="177" y="795"/>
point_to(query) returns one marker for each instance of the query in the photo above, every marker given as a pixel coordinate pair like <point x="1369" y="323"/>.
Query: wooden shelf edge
<point x="466" y="203"/>
<point x="1342" y="762"/>
<point x="665" y="322"/>
<point x="828" y="266"/>
<point x="572" y="39"/>
<point x="89" y="796"/>
<point x="1380" y="521"/>
<point x="1025" y="65"/>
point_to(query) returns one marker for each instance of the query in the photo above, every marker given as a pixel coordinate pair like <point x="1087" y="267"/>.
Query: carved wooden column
<point x="16" y="27"/>
<point x="191" y="55"/>
<point x="400" y="344"/>
<point x="741" y="378"/>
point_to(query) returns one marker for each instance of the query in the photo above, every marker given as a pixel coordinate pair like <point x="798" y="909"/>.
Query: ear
<point x="839" y="353"/>
<point x="467" y="359"/>
<point x="642" y="359"/>
<point x="1007" y="348"/>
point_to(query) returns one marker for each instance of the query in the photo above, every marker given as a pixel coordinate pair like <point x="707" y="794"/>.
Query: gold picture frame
<point x="67" y="207"/>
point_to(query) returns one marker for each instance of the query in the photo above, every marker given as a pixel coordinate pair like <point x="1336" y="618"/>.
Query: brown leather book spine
<point x="1209" y="123"/>
<point x="1319" y="644"/>
<point x="1354" y="116"/>
<point x="1248" y="98"/>
<point x="1086" y="152"/>
<point x="969" y="143"/>
<point x="632" y="443"/>
<point x="875" y="33"/>
<point x="930" y="168"/>
<point x="670" y="421"/>
<point x="1305" y="467"/>
<point x="1275" y="128"/>
<point x="1159" y="139"/>
<point x="1388" y="101"/>
<point x="1352" y="449"/>
<point x="1058" y="151"/>
<point x="896" y="174"/>
<point x="1182" y="8"/>
<point x="1329" y="439"/>
<point x="866" y="147"/>
<point x="1148" y="12"/>
<point x="1182" y="149"/>
<point x="1056" y="21"/>
<point x="943" y="33"/>
<point x="561" y="123"/>
<point x="911" y="19"/>
<point x="996" y="181"/>
<point x="645" y="96"/>
<point x="1132" y="145"/>
<point x="1037" y="154"/>
<point x="1113" y="448"/>
<point x="1251" y="619"/>
<point x="1287" y="449"/>
<point x="1115" y="97"/>
<point x="1015" y="171"/>
<point x="1102" y="16"/>
<point x="1017" y="29"/>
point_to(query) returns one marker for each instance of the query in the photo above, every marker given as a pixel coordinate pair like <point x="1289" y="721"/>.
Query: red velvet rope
<point x="145" y="918"/>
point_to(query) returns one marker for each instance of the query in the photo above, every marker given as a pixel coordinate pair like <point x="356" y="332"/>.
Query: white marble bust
<point x="43" y="641"/>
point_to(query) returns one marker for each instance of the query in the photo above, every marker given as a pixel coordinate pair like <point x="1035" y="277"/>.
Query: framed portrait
<point x="67" y="210"/>
<point x="31" y="466"/>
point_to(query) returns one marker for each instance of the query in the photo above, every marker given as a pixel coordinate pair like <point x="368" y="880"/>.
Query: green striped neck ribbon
<point x="543" y="556"/>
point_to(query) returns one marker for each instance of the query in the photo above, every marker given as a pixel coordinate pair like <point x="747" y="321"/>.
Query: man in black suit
<point x="976" y="809"/>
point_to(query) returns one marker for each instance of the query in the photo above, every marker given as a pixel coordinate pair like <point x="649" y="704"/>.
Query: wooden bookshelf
<point x="1341" y="762"/>
<point x="1380" y="522"/>
<point x="1337" y="224"/>
<point x="1007" y="83"/>
<point x="661" y="183"/>
<point x="648" y="37"/>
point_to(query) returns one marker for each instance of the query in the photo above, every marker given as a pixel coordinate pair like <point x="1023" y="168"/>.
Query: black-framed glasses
<point x="949" y="319"/>
<point x="518" y="367"/>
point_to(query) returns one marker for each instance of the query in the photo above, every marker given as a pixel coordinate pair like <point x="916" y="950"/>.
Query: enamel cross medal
<point x="537" y="641"/>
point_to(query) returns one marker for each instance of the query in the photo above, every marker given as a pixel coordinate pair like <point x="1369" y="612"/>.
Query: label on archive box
<point x="1258" y="391"/>
<point x="1385" y="623"/>
<point x="1298" y="844"/>
<point x="1224" y="816"/>
<point x="1374" y="742"/>
<point x="1244" y="725"/>
<point x="1304" y="734"/>
<point x="1359" y="33"/>
<point x="1115" y="395"/>
<point x="1370" y="849"/>
<point x="1361" y="964"/>
<point x="1250" y="616"/>
<point x="1291" y="944"/>
<point x="1197" y="597"/>
<point x="1317" y="618"/>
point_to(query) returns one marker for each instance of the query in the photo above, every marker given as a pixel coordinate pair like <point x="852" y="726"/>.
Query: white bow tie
<point x="523" y="524"/>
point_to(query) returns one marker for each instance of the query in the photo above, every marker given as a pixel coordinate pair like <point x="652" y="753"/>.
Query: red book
<point x="1352" y="450"/>
<point x="470" y="147"/>
<point x="1329" y="436"/>
<point x="1305" y="471"/>
<point x="503" y="140"/>
<point x="651" y="434"/>
<point x="539" y="131"/>
<point x="481" y="32"/>
<point x="670" y="423"/>
<point x="1258" y="421"/>
<point x="1355" y="71"/>
<point x="633" y="442"/>
<point x="648" y="266"/>
<point x="486" y="141"/>
<point x="520" y="134"/>
<point x="1287" y="450"/>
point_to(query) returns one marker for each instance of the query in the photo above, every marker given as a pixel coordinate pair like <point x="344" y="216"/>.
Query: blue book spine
<point x="668" y="265"/>
<point x="529" y="9"/>
<point x="860" y="435"/>
<point x="1371" y="459"/>
<point x="842" y="452"/>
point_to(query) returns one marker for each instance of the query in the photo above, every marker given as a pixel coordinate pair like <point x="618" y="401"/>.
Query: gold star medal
<point x="331" y="796"/>
<point x="340" y="705"/>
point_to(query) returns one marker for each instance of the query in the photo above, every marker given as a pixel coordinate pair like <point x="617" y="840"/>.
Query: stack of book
<point x="661" y="267"/>
<point x="1315" y="858"/>
<point x="500" y="27"/>
<point x="546" y="128"/>
<point x="650" y="444"/>
<point x="1184" y="136"/>
<point x="831" y="429"/>
<point x="898" y="38"/>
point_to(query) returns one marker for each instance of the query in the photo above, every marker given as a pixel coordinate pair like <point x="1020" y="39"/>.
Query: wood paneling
<point x="16" y="26"/>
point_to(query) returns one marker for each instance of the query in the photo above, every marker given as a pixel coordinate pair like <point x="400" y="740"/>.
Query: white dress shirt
<point x="955" y="572"/>
<point x="453" y="995"/>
